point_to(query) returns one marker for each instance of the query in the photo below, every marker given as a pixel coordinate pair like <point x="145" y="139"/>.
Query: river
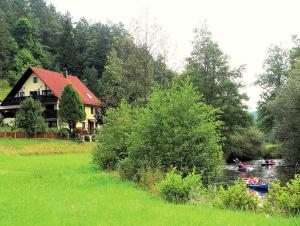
<point x="267" y="173"/>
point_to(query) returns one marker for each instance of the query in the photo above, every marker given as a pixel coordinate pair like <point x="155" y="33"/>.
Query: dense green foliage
<point x="284" y="199"/>
<point x="174" y="188"/>
<point x="113" y="137"/>
<point x="29" y="117"/>
<point x="209" y="70"/>
<point x="71" y="109"/>
<point x="246" y="144"/>
<point x="175" y="129"/>
<point x="238" y="196"/>
<point x="285" y="108"/>
<point x="275" y="73"/>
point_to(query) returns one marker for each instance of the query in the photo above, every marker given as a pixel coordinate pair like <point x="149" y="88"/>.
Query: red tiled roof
<point x="57" y="82"/>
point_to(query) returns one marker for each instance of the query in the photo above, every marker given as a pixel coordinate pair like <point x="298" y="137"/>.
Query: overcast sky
<point x="244" y="29"/>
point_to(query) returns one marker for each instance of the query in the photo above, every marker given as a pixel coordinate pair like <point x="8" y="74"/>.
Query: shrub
<point x="127" y="169"/>
<point x="174" y="188"/>
<point x="87" y="138"/>
<point x="177" y="130"/>
<point x="238" y="196"/>
<point x="113" y="145"/>
<point x="284" y="200"/>
<point x="93" y="137"/>
<point x="246" y="144"/>
<point x="29" y="117"/>
<point x="150" y="178"/>
<point x="64" y="132"/>
<point x="1" y="120"/>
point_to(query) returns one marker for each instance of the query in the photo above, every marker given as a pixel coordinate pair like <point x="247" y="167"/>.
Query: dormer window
<point x="35" y="79"/>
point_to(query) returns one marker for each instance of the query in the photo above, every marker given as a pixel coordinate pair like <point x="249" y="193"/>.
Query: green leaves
<point x="29" y="117"/>
<point x="211" y="75"/>
<point x="71" y="108"/>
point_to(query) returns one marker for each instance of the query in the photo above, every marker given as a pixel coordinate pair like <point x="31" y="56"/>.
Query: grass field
<point x="43" y="146"/>
<point x="66" y="190"/>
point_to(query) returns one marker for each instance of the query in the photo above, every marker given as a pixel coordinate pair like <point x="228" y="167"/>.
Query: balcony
<point x="49" y="98"/>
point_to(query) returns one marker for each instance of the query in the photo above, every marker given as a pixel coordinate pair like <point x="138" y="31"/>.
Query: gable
<point x="33" y="83"/>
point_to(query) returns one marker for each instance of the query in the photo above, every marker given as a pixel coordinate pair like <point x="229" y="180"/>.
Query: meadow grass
<point x="66" y="190"/>
<point x="20" y="146"/>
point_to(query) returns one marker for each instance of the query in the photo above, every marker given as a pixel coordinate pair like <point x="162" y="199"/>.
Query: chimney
<point x="65" y="72"/>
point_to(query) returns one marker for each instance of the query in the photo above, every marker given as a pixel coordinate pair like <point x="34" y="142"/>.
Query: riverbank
<point x="66" y="190"/>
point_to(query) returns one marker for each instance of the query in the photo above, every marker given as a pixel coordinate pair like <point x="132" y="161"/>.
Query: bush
<point x="93" y="137"/>
<point x="239" y="197"/>
<point x="113" y="137"/>
<point x="174" y="188"/>
<point x="29" y="117"/>
<point x="150" y="178"/>
<point x="1" y="120"/>
<point x="177" y="130"/>
<point x="64" y="132"/>
<point x="284" y="200"/>
<point x="87" y="138"/>
<point x="127" y="169"/>
<point x="246" y="144"/>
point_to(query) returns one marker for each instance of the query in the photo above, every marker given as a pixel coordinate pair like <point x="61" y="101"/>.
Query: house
<point x="47" y="86"/>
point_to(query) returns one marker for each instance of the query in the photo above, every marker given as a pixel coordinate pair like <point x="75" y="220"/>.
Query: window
<point x="35" y="79"/>
<point x="83" y="125"/>
<point x="33" y="93"/>
<point x="92" y="110"/>
<point x="21" y="94"/>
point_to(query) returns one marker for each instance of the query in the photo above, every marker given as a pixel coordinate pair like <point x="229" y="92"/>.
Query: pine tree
<point x="71" y="108"/>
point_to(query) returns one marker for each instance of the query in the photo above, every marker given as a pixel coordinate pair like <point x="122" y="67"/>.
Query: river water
<point x="267" y="173"/>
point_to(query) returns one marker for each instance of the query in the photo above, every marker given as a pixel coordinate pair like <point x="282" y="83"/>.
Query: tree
<point x="71" y="108"/>
<point x="211" y="75"/>
<point x="113" y="146"/>
<point x="177" y="130"/>
<point x="22" y="61"/>
<point x="276" y="68"/>
<point x="29" y="117"/>
<point x="286" y="111"/>
<point x="67" y="56"/>
<point x="246" y="144"/>
<point x="91" y="79"/>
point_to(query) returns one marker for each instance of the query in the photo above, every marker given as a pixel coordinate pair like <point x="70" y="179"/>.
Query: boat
<point x="258" y="186"/>
<point x="244" y="169"/>
<point x="267" y="164"/>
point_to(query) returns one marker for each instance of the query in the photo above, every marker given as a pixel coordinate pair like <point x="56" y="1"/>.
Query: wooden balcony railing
<point x="17" y="100"/>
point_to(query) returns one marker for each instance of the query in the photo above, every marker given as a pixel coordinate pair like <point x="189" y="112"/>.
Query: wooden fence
<point x="25" y="135"/>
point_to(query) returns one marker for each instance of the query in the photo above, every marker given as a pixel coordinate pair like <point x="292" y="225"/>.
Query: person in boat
<point x="269" y="161"/>
<point x="252" y="180"/>
<point x="241" y="165"/>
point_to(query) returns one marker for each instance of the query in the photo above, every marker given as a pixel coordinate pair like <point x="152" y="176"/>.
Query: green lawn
<point x="66" y="190"/>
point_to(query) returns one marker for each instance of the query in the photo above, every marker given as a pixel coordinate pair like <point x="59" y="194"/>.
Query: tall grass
<point x="13" y="146"/>
<point x="66" y="190"/>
